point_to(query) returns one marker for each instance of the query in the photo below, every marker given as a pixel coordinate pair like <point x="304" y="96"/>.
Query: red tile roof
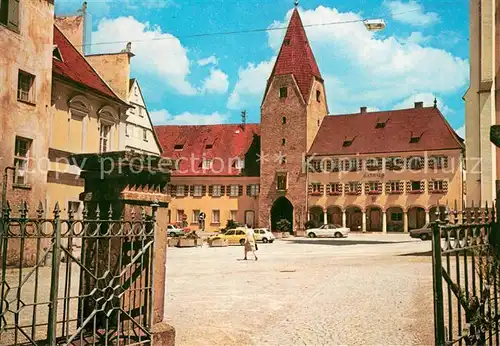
<point x="76" y="68"/>
<point x="229" y="141"/>
<point x="400" y="125"/>
<point x="296" y="57"/>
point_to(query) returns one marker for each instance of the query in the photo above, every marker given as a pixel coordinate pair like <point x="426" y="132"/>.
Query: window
<point x="380" y="125"/>
<point x="414" y="187"/>
<point x="195" y="216"/>
<point x="180" y="215"/>
<point x="394" y="187"/>
<point x="240" y="232"/>
<point x="281" y="182"/>
<point x="141" y="113"/>
<point x="283" y="120"/>
<point x="232" y="215"/>
<point x="283" y="141"/>
<point x="283" y="92"/>
<point x="414" y="139"/>
<point x="56" y="53"/>
<point x="198" y="190"/>
<point x="254" y="190"/>
<point x="207" y="164"/>
<point x="234" y="191"/>
<point x="283" y="159"/>
<point x="9" y="13"/>
<point x="127" y="133"/>
<point x="351" y="165"/>
<point x="318" y="96"/>
<point x="373" y="187"/>
<point x="209" y="146"/>
<point x="26" y="87"/>
<point x="231" y="232"/>
<point x="216" y="216"/>
<point x="105" y="132"/>
<point x="335" y="189"/>
<point x="286" y="41"/>
<point x="438" y="162"/>
<point x="353" y="188"/>
<point x="21" y="158"/>
<point x="136" y="91"/>
<point x="394" y="163"/>
<point x="438" y="186"/>
<point x="396" y="216"/>
<point x="145" y="135"/>
<point x="239" y="164"/>
<point x="315" y="166"/>
<point x="374" y="164"/>
<point x="216" y="190"/>
<point x="316" y="189"/>
<point x="415" y="163"/>
<point x="347" y="143"/>
<point x="179" y="147"/>
<point x="180" y="191"/>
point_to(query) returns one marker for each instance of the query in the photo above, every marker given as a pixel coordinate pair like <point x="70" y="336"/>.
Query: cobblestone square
<point x="367" y="289"/>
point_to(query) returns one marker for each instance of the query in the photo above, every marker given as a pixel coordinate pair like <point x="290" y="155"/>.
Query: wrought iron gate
<point x="466" y="277"/>
<point x="76" y="282"/>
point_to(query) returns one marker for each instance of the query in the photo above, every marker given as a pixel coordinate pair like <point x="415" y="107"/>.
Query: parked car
<point x="329" y="230"/>
<point x="264" y="235"/>
<point x="425" y="233"/>
<point x="174" y="231"/>
<point x="233" y="236"/>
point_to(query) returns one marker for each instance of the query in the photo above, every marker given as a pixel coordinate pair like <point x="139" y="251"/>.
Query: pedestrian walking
<point x="250" y="244"/>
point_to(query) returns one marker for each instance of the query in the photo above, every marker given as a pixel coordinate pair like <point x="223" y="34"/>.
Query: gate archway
<point x="282" y="209"/>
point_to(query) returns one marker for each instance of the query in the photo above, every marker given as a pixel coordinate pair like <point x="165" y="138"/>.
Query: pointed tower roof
<point x="296" y="56"/>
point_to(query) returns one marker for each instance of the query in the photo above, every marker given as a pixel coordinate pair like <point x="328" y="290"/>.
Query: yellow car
<point x="233" y="236"/>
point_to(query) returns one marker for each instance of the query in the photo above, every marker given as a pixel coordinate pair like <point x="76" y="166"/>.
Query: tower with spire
<point x="292" y="110"/>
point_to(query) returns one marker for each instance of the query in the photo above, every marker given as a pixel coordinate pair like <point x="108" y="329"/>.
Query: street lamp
<point x="374" y="24"/>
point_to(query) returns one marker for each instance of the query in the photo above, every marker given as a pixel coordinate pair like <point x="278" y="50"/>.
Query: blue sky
<point x="422" y="54"/>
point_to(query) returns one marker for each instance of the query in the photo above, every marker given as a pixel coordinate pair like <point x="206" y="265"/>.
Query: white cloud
<point x="410" y="12"/>
<point x="217" y="82"/>
<point x="251" y="84"/>
<point x="207" y="61"/>
<point x="157" y="53"/>
<point x="417" y="37"/>
<point x="461" y="131"/>
<point x="427" y="99"/>
<point x="101" y="8"/>
<point x="163" y="117"/>
<point x="361" y="68"/>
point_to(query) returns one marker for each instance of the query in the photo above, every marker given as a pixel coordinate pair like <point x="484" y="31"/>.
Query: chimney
<point x="243" y="119"/>
<point x="419" y="105"/>
<point x="362" y="109"/>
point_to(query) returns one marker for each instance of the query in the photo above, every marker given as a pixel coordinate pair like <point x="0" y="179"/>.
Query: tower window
<point x="347" y="143"/>
<point x="179" y="147"/>
<point x="284" y="120"/>
<point x="283" y="92"/>
<point x="286" y="42"/>
<point x="414" y="139"/>
<point x="283" y="141"/>
<point x="318" y="95"/>
<point x="380" y="125"/>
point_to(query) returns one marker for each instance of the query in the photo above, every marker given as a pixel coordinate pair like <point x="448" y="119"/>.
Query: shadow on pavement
<point x="343" y="242"/>
<point x="420" y="254"/>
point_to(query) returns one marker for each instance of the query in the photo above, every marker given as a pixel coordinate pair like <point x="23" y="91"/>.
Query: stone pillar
<point x="405" y="221"/>
<point x="344" y="218"/>
<point x="384" y="221"/>
<point x="363" y="222"/>
<point x="112" y="180"/>
<point x="427" y="216"/>
<point x="325" y="216"/>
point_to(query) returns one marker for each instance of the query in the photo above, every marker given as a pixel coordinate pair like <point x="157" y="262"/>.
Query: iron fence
<point x="76" y="282"/>
<point x="466" y="277"/>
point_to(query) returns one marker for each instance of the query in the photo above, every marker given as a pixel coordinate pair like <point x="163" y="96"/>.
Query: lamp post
<point x="374" y="24"/>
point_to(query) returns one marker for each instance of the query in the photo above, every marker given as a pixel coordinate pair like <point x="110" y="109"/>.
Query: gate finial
<point x="57" y="210"/>
<point x="85" y="212"/>
<point x="6" y="210"/>
<point x="39" y="210"/>
<point x="110" y="211"/>
<point x="97" y="212"/>
<point x="23" y="210"/>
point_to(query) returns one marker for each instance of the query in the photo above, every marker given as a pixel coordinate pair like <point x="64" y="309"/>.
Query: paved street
<point x="362" y="290"/>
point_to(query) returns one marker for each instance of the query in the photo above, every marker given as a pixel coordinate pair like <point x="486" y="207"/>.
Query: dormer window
<point x="414" y="139"/>
<point x="283" y="92"/>
<point x="286" y="42"/>
<point x="209" y="146"/>
<point x="179" y="147"/>
<point x="347" y="143"/>
<point x="380" y="125"/>
<point x="56" y="53"/>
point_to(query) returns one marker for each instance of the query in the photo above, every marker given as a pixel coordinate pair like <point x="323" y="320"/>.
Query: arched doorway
<point x="334" y="215"/>
<point x="432" y="213"/>
<point x="282" y="209"/>
<point x="416" y="217"/>
<point x="395" y="221"/>
<point x="316" y="215"/>
<point x="354" y="218"/>
<point x="374" y="219"/>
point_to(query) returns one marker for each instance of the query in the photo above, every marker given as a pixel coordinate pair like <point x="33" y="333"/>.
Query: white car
<point x="328" y="231"/>
<point x="263" y="234"/>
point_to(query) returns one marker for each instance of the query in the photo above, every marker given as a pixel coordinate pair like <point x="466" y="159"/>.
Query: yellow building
<point x="85" y="118"/>
<point x="482" y="102"/>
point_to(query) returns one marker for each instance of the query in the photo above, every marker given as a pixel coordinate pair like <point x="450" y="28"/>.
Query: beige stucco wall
<point x="426" y="200"/>
<point x="29" y="49"/>
<point x="207" y="203"/>
<point x="316" y="112"/>
<point x="73" y="28"/>
<point x="114" y="69"/>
